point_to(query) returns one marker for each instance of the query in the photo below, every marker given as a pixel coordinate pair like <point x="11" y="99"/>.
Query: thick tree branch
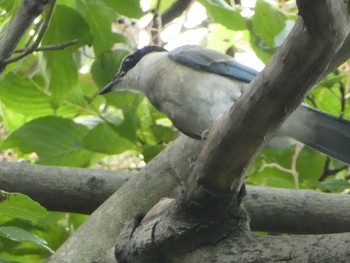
<point x="26" y="14"/>
<point x="136" y="196"/>
<point x="62" y="188"/>
<point x="291" y="249"/>
<point x="310" y="51"/>
<point x="84" y="190"/>
<point x="297" y="211"/>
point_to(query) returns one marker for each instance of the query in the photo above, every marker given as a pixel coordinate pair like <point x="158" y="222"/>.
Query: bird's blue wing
<point x="212" y="61"/>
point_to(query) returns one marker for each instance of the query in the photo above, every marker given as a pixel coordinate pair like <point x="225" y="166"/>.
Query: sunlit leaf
<point x="56" y="140"/>
<point x="100" y="17"/>
<point x="20" y="235"/>
<point x="66" y="25"/>
<point x="268" y="27"/>
<point x="130" y="8"/>
<point x="106" y="66"/>
<point x="21" y="95"/>
<point x="225" y="15"/>
<point x="104" y="139"/>
<point x="334" y="185"/>
<point x="150" y="151"/>
<point x="21" y="206"/>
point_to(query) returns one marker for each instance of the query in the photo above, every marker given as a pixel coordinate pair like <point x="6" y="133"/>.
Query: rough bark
<point x="109" y="219"/>
<point x="292" y="249"/>
<point x="308" y="52"/>
<point x="297" y="211"/>
<point x="233" y="142"/>
<point x="61" y="188"/>
<point x="84" y="190"/>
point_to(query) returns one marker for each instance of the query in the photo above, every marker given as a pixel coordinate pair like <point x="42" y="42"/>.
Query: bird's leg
<point x="204" y="134"/>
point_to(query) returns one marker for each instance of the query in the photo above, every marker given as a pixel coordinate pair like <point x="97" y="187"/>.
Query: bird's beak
<point x="109" y="87"/>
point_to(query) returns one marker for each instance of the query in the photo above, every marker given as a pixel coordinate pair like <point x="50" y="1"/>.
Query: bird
<point x="194" y="86"/>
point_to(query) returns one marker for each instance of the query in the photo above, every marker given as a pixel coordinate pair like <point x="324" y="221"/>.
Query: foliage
<point x="50" y="107"/>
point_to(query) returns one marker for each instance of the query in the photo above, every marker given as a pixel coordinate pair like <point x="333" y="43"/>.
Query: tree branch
<point x="136" y="196"/>
<point x="321" y="31"/>
<point x="282" y="249"/>
<point x="26" y="14"/>
<point x="51" y="47"/>
<point x="84" y="190"/>
<point x="61" y="188"/>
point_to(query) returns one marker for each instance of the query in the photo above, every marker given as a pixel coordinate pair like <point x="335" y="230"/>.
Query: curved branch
<point x="159" y="178"/>
<point x="235" y="139"/>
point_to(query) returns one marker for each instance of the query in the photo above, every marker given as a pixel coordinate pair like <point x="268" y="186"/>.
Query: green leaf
<point x="327" y="99"/>
<point x="163" y="134"/>
<point x="57" y="141"/>
<point x="129" y="103"/>
<point x="130" y="8"/>
<point x="100" y="18"/>
<point x="20" y="235"/>
<point x="66" y="25"/>
<point x="270" y="167"/>
<point x="225" y="15"/>
<point x="63" y="74"/>
<point x="161" y="6"/>
<point x="12" y="120"/>
<point x="21" y="95"/>
<point x="263" y="172"/>
<point x="81" y="100"/>
<point x="268" y="22"/>
<point x="150" y="151"/>
<point x="310" y="165"/>
<point x="106" y="66"/>
<point x="10" y="6"/>
<point x="104" y="139"/>
<point x="21" y="206"/>
<point x="268" y="29"/>
<point x="335" y="185"/>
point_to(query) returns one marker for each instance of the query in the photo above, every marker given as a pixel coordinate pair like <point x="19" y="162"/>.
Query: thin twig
<point x="343" y="99"/>
<point x="327" y="171"/>
<point x="51" y="47"/>
<point x="311" y="100"/>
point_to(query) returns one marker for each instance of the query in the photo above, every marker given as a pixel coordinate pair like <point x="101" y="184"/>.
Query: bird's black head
<point x="129" y="62"/>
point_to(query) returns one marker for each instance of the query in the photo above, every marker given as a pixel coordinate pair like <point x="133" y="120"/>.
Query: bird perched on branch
<point x="193" y="86"/>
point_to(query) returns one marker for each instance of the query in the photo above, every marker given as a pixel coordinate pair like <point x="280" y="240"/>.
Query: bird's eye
<point x="128" y="64"/>
<point x="128" y="61"/>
